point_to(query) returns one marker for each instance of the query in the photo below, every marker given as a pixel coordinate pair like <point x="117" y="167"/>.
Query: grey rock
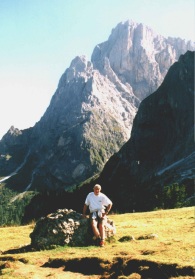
<point x="65" y="227"/>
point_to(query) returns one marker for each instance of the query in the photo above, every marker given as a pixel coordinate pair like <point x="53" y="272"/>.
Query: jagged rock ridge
<point x="91" y="113"/>
<point x="138" y="58"/>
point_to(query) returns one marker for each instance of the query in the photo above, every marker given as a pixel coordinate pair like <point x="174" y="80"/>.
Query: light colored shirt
<point x="97" y="202"/>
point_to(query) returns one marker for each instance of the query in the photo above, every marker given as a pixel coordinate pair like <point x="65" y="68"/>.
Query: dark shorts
<point x="94" y="216"/>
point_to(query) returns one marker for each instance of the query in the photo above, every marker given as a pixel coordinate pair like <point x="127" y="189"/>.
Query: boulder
<point x="65" y="227"/>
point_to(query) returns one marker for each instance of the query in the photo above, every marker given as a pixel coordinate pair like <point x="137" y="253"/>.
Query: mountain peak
<point x="138" y="56"/>
<point x="79" y="67"/>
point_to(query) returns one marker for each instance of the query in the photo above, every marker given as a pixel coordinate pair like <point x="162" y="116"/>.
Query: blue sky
<point x="39" y="39"/>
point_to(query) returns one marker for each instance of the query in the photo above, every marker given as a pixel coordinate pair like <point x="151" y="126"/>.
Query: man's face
<point x="96" y="191"/>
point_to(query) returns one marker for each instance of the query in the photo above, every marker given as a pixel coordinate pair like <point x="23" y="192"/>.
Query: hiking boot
<point x="102" y="243"/>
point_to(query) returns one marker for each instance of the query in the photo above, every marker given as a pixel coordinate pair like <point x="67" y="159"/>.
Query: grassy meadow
<point x="157" y="244"/>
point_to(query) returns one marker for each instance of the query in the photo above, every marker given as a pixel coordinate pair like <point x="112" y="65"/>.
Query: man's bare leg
<point x="102" y="232"/>
<point x="96" y="232"/>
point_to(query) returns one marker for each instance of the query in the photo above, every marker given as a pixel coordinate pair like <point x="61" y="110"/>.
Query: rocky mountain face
<point x="90" y="116"/>
<point x="136" y="57"/>
<point x="86" y="122"/>
<point x="161" y="150"/>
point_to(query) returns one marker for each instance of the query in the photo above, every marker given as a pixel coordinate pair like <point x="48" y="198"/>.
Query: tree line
<point x="13" y="204"/>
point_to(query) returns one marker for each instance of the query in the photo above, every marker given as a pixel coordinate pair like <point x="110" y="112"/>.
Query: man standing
<point x="99" y="206"/>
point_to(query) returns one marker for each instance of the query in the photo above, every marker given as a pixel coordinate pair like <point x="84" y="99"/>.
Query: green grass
<point x="172" y="246"/>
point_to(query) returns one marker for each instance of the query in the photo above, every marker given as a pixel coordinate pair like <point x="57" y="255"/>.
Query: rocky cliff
<point x="86" y="122"/>
<point x="161" y="150"/>
<point x="91" y="113"/>
<point x="136" y="57"/>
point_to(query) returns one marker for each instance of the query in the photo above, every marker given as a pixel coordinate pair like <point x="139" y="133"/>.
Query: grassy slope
<point x="173" y="244"/>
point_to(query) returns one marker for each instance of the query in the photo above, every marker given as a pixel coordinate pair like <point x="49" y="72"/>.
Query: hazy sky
<point x="39" y="39"/>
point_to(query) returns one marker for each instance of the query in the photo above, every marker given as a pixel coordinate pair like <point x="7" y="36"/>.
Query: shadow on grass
<point x="23" y="249"/>
<point x="119" y="266"/>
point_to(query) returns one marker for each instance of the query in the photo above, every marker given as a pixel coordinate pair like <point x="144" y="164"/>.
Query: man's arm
<point x="84" y="210"/>
<point x="108" y="208"/>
